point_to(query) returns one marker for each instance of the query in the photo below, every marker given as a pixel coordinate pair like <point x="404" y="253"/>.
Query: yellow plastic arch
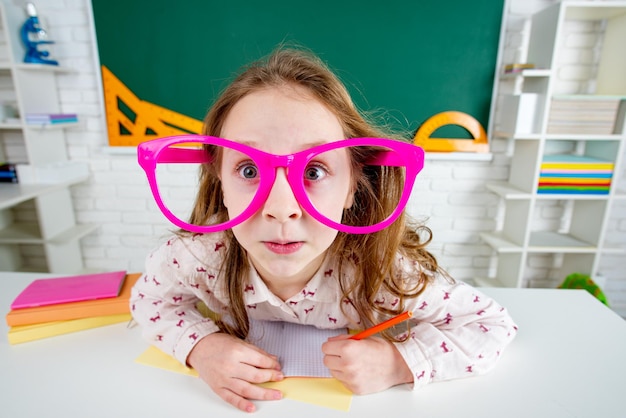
<point x="479" y="143"/>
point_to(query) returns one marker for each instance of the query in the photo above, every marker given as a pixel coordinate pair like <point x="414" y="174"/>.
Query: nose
<point x="281" y="204"/>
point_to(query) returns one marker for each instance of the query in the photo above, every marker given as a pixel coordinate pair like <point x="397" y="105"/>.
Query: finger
<point x="257" y="375"/>
<point x="336" y="346"/>
<point x="241" y="394"/>
<point x="340" y="337"/>
<point x="236" y="400"/>
<point x="262" y="359"/>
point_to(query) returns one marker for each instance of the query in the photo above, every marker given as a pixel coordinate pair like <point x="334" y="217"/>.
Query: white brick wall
<point x="450" y="195"/>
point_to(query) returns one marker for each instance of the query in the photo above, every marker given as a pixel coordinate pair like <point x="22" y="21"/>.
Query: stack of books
<point x="56" y="306"/>
<point x="8" y="173"/>
<point x="518" y="67"/>
<point x="583" y="114"/>
<point x="50" y="118"/>
<point x="574" y="174"/>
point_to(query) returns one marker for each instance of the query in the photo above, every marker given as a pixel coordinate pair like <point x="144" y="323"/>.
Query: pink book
<point x="43" y="292"/>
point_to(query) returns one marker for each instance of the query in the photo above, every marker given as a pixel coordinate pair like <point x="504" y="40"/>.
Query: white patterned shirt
<point x="456" y="331"/>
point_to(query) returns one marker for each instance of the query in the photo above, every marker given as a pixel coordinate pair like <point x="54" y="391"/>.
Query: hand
<point x="365" y="366"/>
<point x="231" y="367"/>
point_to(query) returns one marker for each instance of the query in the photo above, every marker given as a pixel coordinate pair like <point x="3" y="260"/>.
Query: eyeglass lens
<point x="352" y="185"/>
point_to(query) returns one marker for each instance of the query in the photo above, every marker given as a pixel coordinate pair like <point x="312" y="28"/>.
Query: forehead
<point x="281" y="120"/>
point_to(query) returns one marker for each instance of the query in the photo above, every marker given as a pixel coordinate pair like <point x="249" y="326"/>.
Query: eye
<point x="248" y="171"/>
<point x="314" y="173"/>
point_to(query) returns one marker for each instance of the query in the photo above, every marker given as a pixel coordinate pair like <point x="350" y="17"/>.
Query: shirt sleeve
<point x="457" y="332"/>
<point x="164" y="303"/>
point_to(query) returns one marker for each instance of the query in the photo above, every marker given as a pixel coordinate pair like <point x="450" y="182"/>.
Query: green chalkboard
<point x="412" y="59"/>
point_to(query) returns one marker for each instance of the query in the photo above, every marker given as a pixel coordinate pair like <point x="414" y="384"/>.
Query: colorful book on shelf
<point x="574" y="174"/>
<point x="569" y="161"/>
<point x="77" y="288"/>
<point x="25" y="333"/>
<point x="75" y="310"/>
<point x="582" y="191"/>
<point x="518" y="67"/>
<point x="50" y="118"/>
<point x="8" y="173"/>
<point x="587" y="180"/>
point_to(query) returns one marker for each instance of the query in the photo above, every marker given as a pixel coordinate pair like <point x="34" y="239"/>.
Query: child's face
<point x="285" y="244"/>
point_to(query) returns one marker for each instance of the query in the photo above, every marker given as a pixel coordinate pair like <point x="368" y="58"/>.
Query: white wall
<point x="451" y="194"/>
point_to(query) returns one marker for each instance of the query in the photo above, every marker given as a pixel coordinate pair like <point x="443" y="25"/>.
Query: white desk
<point x="568" y="360"/>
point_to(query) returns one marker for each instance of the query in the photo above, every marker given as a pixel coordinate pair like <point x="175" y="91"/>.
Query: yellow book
<point x="25" y="333"/>
<point x="578" y="166"/>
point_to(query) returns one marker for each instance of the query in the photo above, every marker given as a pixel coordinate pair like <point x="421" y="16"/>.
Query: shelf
<point x="43" y="68"/>
<point x="553" y="242"/>
<point x="517" y="136"/>
<point x="585" y="137"/>
<point x="558" y="137"/>
<point x="539" y="242"/>
<point x="500" y="243"/>
<point x="13" y="194"/>
<point x="536" y="72"/>
<point x="535" y="110"/>
<point x="28" y="233"/>
<point x="51" y="126"/>
<point x="45" y="170"/>
<point x="11" y="126"/>
<point x="508" y="191"/>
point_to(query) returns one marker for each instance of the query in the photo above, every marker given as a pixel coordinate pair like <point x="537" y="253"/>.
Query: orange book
<point x="75" y="310"/>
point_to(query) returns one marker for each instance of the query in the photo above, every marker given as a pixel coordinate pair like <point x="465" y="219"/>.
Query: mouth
<point x="283" y="247"/>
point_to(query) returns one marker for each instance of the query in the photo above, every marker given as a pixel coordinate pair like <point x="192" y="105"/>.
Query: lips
<point x="283" y="248"/>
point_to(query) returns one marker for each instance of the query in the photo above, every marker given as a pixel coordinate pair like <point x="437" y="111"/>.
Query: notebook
<point x="298" y="347"/>
<point x="43" y="292"/>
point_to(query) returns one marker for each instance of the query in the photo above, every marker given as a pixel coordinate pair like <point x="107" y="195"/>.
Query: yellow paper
<point x="322" y="391"/>
<point x="326" y="392"/>
<point x="25" y="333"/>
<point x="157" y="358"/>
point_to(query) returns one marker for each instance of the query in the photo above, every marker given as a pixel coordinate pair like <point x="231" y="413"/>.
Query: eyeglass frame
<point x="150" y="153"/>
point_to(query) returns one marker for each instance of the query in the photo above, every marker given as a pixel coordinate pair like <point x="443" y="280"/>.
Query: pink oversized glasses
<point x="384" y="169"/>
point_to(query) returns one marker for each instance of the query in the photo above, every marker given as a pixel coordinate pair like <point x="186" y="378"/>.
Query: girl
<point x="294" y="221"/>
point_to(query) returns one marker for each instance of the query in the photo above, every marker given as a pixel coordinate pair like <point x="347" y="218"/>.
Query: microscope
<point x="35" y="38"/>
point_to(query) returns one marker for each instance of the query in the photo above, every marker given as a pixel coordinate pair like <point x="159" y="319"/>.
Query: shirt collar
<point x="323" y="287"/>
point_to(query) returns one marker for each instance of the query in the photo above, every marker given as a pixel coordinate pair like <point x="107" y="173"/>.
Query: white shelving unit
<point x="575" y="240"/>
<point x="38" y="230"/>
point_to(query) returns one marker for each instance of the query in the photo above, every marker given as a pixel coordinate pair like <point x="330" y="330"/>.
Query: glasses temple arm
<point x="181" y="155"/>
<point x="388" y="158"/>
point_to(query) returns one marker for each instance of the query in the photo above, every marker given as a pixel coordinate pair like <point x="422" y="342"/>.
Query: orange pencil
<point x="382" y="326"/>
